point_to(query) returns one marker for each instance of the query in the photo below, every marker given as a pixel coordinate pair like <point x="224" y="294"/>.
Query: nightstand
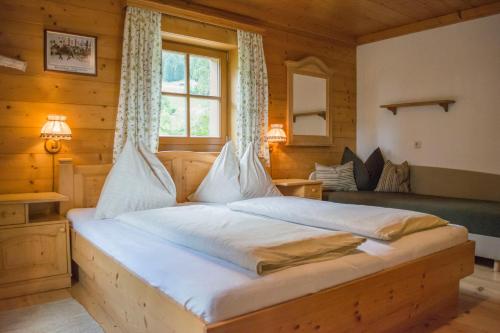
<point x="34" y="244"/>
<point x="300" y="188"/>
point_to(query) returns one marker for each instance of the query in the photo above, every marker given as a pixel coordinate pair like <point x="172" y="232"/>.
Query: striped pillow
<point x="337" y="178"/>
<point x="394" y="178"/>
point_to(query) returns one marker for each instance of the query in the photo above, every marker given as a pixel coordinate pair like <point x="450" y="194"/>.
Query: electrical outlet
<point x="417" y="144"/>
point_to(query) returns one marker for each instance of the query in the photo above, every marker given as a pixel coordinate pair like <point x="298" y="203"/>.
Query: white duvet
<point x="216" y="290"/>
<point x="259" y="244"/>
<point x="369" y="221"/>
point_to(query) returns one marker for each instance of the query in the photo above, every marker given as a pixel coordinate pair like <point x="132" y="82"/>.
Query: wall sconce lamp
<point x="55" y="130"/>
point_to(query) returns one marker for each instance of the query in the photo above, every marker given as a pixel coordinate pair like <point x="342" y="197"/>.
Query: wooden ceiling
<point x="351" y="18"/>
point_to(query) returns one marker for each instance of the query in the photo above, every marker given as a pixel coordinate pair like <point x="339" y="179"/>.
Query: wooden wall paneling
<point x="27" y="36"/>
<point x="57" y="90"/>
<point x="202" y="34"/>
<point x="26" y="185"/>
<point x="25" y="166"/>
<point x="109" y="6"/>
<point x="59" y="16"/>
<point x="89" y="102"/>
<point x="298" y="162"/>
<point x="15" y="140"/>
<point x="108" y="69"/>
<point x="206" y="15"/>
<point x="18" y="114"/>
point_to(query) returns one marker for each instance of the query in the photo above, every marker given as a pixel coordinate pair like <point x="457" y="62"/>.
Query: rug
<point x="62" y="316"/>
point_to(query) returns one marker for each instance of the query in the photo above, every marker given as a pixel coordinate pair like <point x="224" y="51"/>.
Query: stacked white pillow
<point x="137" y="181"/>
<point x="231" y="180"/>
<point x="221" y="184"/>
<point x="255" y="182"/>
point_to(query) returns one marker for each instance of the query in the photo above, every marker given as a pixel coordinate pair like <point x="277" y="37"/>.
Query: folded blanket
<point x="259" y="244"/>
<point x="368" y="221"/>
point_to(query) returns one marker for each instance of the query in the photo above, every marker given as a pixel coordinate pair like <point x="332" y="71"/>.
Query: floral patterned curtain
<point x="138" y="115"/>
<point x="251" y="117"/>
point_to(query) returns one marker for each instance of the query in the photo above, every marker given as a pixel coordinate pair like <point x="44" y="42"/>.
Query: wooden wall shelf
<point x="322" y="114"/>
<point x="445" y="103"/>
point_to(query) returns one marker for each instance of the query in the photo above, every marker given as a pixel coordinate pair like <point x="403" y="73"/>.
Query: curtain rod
<point x="214" y="18"/>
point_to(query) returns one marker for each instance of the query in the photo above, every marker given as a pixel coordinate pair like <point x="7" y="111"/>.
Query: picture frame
<point x="70" y="53"/>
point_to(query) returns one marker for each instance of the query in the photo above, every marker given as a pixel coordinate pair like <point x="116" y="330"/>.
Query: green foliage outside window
<point x="173" y="108"/>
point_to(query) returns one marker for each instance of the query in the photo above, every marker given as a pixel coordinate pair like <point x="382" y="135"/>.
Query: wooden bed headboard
<point x="83" y="183"/>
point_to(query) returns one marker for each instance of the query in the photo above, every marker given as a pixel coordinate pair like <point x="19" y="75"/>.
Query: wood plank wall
<point x="27" y="98"/>
<point x="298" y="162"/>
<point x="90" y="102"/>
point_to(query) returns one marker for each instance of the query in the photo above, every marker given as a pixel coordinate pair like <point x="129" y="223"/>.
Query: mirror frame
<point x="311" y="66"/>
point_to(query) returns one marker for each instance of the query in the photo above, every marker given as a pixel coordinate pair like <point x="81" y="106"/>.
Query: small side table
<point x="34" y="244"/>
<point x="304" y="188"/>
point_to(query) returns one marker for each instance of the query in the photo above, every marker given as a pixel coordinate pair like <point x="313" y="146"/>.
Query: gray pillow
<point x="366" y="174"/>
<point x="337" y="178"/>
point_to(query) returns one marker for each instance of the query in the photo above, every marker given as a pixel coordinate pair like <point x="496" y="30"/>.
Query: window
<point x="193" y="103"/>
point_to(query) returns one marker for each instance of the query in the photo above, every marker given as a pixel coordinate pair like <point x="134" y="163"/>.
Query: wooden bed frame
<point x="390" y="300"/>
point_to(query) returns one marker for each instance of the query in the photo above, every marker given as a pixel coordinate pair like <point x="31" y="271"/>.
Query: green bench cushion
<point x="479" y="217"/>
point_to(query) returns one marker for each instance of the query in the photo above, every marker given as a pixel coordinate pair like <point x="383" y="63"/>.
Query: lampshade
<point x="276" y="133"/>
<point x="56" y="128"/>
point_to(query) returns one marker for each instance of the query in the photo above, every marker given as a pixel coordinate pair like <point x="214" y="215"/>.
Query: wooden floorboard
<point x="478" y="310"/>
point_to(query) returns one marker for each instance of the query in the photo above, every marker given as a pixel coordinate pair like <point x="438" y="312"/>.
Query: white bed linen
<point x="369" y="221"/>
<point x="216" y="290"/>
<point x="257" y="243"/>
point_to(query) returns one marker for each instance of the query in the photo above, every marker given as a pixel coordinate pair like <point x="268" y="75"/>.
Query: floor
<point x="478" y="310"/>
<point x="61" y="316"/>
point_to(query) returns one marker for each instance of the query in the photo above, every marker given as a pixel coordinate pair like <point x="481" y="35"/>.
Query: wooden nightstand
<point x="300" y="188"/>
<point x="34" y="244"/>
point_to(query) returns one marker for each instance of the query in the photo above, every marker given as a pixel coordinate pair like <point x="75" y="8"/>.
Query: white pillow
<point x="255" y="182"/>
<point x="221" y="184"/>
<point x="132" y="185"/>
<point x="159" y="170"/>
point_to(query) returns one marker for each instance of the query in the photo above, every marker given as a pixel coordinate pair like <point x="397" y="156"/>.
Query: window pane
<point x="173" y="72"/>
<point x="205" y="117"/>
<point x="173" y="118"/>
<point x="203" y="76"/>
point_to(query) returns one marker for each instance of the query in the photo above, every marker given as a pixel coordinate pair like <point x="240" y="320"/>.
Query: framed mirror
<point x="309" y="118"/>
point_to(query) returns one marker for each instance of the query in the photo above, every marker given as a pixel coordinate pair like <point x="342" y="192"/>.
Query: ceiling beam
<point x="231" y="20"/>
<point x="172" y="8"/>
<point x="435" y="22"/>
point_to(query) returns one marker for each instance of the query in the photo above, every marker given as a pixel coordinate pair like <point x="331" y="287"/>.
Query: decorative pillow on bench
<point x="394" y="178"/>
<point x="366" y="174"/>
<point x="336" y="178"/>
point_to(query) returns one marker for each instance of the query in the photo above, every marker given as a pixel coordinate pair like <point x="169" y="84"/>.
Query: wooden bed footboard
<point x="390" y="300"/>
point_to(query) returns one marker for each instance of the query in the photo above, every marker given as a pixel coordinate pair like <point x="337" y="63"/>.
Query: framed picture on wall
<point x="70" y="53"/>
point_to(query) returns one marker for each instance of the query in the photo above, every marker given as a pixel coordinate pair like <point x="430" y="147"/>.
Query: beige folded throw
<point x="259" y="244"/>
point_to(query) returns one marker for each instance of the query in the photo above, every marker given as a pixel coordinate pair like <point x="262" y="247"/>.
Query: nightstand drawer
<point x="312" y="191"/>
<point x="303" y="188"/>
<point x="32" y="252"/>
<point x="12" y="214"/>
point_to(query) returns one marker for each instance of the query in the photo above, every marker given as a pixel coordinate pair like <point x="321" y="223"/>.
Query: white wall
<point x="460" y="62"/>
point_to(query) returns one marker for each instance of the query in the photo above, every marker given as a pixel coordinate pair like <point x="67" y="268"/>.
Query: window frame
<point x="223" y="60"/>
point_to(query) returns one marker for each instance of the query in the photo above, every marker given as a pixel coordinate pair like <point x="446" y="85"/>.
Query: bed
<point x="143" y="283"/>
